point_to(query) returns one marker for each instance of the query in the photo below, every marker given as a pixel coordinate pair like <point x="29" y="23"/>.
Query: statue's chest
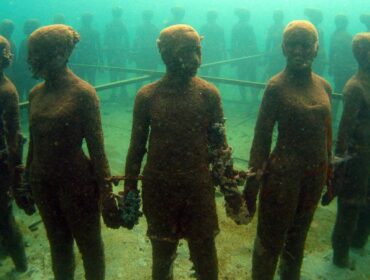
<point x="179" y="109"/>
<point x="306" y="108"/>
<point x="53" y="114"/>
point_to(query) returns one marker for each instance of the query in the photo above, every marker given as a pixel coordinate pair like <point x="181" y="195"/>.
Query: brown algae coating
<point x="354" y="127"/>
<point x="59" y="123"/>
<point x="303" y="123"/>
<point x="176" y="117"/>
<point x="288" y="103"/>
<point x="60" y="118"/>
<point x="9" y="108"/>
<point x="352" y="223"/>
<point x="67" y="186"/>
<point x="178" y="142"/>
<point x="297" y="100"/>
<point x="10" y="161"/>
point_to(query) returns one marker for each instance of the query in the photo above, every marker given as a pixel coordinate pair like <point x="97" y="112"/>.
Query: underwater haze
<point x="261" y="10"/>
<point x="128" y="252"/>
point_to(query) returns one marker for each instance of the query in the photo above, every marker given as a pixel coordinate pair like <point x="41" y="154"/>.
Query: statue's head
<point x="300" y="44"/>
<point x="179" y="46"/>
<point x="50" y="47"/>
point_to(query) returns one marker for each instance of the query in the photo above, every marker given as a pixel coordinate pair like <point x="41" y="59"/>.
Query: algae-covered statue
<point x="244" y="43"/>
<point x="341" y="62"/>
<point x="316" y="17"/>
<point x="7" y="28"/>
<point x="365" y="19"/>
<point x="213" y="44"/>
<point x="144" y="50"/>
<point x="116" y="46"/>
<point x="88" y="50"/>
<point x="177" y="16"/>
<point x="23" y="76"/>
<point x="352" y="224"/>
<point x="274" y="58"/>
<point x="10" y="160"/>
<point x="295" y="171"/>
<point x="68" y="188"/>
<point x="182" y="119"/>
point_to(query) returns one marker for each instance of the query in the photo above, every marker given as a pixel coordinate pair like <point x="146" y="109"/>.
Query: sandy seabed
<point x="128" y="253"/>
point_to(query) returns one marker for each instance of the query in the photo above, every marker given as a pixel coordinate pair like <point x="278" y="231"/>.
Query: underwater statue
<point x="10" y="161"/>
<point x="117" y="48"/>
<point x="213" y="44"/>
<point x="7" y="28"/>
<point x="341" y="62"/>
<point x="352" y="226"/>
<point x="178" y="14"/>
<point x="316" y="17"/>
<point x="243" y="43"/>
<point x="59" y="19"/>
<point x="69" y="189"/>
<point x="365" y="19"/>
<point x="144" y="49"/>
<point x="88" y="51"/>
<point x="293" y="174"/>
<point x="274" y="58"/>
<point x="181" y="117"/>
<point x="23" y="76"/>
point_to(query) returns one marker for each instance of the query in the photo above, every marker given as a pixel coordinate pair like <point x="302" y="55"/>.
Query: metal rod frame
<point x="150" y="74"/>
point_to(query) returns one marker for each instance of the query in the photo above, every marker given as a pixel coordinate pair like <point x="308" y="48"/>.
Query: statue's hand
<point x="110" y="212"/>
<point x="23" y="198"/>
<point x="335" y="178"/>
<point x="250" y="195"/>
<point x="236" y="208"/>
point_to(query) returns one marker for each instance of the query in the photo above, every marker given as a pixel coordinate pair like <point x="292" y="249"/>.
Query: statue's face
<point x="5" y="54"/>
<point x="366" y="60"/>
<point x="363" y="55"/>
<point x="300" y="49"/>
<point x="186" y="55"/>
<point x="45" y="61"/>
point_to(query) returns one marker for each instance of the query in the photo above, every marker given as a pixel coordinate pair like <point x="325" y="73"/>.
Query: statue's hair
<point x="303" y="25"/>
<point x="6" y="55"/>
<point x="365" y="18"/>
<point x="56" y="37"/>
<point x="170" y="35"/>
<point x="361" y="45"/>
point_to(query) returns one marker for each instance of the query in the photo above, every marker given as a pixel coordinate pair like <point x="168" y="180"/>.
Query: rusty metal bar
<point x="110" y="85"/>
<point x="124" y="82"/>
<point x="155" y="72"/>
<point x="233" y="60"/>
<point x="235" y="82"/>
<point x="121" y="69"/>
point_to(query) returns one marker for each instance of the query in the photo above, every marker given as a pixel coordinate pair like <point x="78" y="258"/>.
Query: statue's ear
<point x="317" y="46"/>
<point x="201" y="37"/>
<point x="283" y="49"/>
